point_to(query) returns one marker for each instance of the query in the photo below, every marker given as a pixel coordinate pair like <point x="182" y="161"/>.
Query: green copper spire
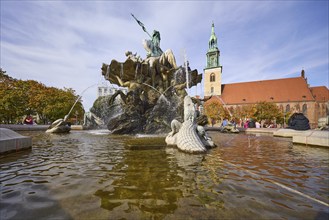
<point x="213" y="52"/>
<point x="213" y="39"/>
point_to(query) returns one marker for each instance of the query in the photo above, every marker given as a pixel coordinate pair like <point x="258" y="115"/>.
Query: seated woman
<point x="28" y="120"/>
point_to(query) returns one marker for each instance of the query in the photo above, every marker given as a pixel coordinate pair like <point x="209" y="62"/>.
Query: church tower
<point x="213" y="70"/>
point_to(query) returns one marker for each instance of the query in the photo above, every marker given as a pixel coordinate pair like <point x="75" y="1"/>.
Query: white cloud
<point x="64" y="44"/>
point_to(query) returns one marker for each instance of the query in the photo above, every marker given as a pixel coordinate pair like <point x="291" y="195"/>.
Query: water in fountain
<point x="187" y="75"/>
<point x="152" y="87"/>
<point x="61" y="125"/>
<point x="165" y="110"/>
<point x="79" y="97"/>
<point x="106" y="109"/>
<point x="179" y="76"/>
<point x="114" y="110"/>
<point x="155" y="96"/>
<point x="136" y="71"/>
<point x="95" y="175"/>
<point x="121" y="71"/>
<point x="225" y="106"/>
<point x="162" y="95"/>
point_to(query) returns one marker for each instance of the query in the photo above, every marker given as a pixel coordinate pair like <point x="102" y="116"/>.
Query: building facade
<point x="104" y="90"/>
<point x="289" y="94"/>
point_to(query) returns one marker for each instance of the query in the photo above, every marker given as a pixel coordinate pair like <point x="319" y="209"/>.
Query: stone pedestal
<point x="11" y="141"/>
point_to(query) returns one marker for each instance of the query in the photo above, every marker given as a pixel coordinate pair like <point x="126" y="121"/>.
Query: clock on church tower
<point x="213" y="70"/>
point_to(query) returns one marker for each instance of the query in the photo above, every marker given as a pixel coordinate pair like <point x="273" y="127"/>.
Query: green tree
<point x="268" y="111"/>
<point x="59" y="102"/>
<point x="214" y="110"/>
<point x="19" y="98"/>
<point x="13" y="99"/>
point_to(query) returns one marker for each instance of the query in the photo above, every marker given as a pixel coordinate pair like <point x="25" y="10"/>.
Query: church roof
<point x="276" y="90"/>
<point x="320" y="93"/>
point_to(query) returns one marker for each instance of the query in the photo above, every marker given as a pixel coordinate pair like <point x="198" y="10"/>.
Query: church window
<point x="212" y="77"/>
<point x="318" y="109"/>
<point x="212" y="90"/>
<point x="297" y="106"/>
<point x="212" y="42"/>
<point x="305" y="109"/>
<point x="288" y="108"/>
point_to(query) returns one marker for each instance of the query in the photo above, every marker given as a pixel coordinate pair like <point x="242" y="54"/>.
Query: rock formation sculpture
<point x="156" y="89"/>
<point x="188" y="136"/>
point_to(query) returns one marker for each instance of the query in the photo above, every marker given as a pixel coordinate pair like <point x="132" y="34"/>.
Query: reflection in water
<point x="94" y="175"/>
<point x="149" y="184"/>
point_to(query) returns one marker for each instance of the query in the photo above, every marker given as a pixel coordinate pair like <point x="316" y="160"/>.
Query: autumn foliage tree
<point x="260" y="111"/>
<point x="214" y="110"/>
<point x="19" y="98"/>
<point x="268" y="111"/>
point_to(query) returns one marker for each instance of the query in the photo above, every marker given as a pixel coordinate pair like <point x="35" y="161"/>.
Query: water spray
<point x="187" y="74"/>
<point x="76" y="101"/>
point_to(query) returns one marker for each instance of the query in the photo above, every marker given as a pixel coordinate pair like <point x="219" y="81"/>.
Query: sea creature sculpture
<point x="59" y="126"/>
<point x="188" y="136"/>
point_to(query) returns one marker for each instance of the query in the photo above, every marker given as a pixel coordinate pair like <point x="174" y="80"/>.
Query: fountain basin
<point x="95" y="175"/>
<point x="11" y="141"/>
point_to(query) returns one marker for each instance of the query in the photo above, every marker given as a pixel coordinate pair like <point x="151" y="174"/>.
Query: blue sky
<point x="64" y="43"/>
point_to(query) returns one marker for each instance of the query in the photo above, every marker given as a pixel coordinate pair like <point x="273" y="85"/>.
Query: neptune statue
<point x="156" y="101"/>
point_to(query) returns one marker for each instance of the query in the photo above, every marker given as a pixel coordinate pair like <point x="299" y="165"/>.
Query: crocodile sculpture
<point x="188" y="136"/>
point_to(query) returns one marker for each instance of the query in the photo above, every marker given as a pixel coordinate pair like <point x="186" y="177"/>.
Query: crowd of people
<point x="297" y="121"/>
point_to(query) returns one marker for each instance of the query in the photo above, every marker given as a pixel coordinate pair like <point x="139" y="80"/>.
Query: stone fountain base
<point x="10" y="141"/>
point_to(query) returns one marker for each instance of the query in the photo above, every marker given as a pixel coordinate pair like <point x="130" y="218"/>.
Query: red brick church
<point x="289" y="94"/>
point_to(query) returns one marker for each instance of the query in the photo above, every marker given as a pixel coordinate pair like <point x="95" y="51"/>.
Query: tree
<point x="19" y="98"/>
<point x="59" y="102"/>
<point x="214" y="110"/>
<point x="13" y="99"/>
<point x="268" y="111"/>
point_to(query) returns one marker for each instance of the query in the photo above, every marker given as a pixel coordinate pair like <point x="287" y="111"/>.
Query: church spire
<point x="213" y="69"/>
<point x="213" y="51"/>
<point x="213" y="39"/>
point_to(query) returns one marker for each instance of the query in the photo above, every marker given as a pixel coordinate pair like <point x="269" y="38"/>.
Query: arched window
<point x="305" y="109"/>
<point x="288" y="108"/>
<point x="212" y="77"/>
<point x="297" y="106"/>
<point x="212" y="90"/>
<point x="212" y="43"/>
<point x="324" y="110"/>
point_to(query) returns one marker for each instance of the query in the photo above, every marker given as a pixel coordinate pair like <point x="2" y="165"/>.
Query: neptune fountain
<point x="156" y="101"/>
